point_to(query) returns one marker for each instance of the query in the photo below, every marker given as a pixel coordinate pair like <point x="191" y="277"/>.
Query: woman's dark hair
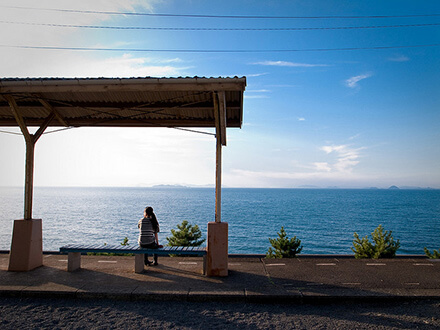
<point x="150" y="213"/>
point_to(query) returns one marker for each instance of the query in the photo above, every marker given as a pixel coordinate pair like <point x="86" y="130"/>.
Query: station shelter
<point x="193" y="102"/>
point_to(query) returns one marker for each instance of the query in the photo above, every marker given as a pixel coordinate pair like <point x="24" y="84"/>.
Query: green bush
<point x="186" y="235"/>
<point x="125" y="242"/>
<point x="283" y="247"/>
<point x="383" y="245"/>
<point x="434" y="255"/>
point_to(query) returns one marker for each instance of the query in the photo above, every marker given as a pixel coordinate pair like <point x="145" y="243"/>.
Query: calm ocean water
<point x="324" y="219"/>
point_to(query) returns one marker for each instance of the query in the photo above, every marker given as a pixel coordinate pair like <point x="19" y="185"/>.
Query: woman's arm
<point x="157" y="238"/>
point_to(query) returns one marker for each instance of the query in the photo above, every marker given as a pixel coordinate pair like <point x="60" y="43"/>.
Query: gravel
<point x="41" y="313"/>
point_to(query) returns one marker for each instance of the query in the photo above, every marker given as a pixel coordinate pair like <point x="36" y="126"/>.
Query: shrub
<point x="123" y="243"/>
<point x="383" y="245"/>
<point x="434" y="255"/>
<point x="283" y="247"/>
<point x="186" y="235"/>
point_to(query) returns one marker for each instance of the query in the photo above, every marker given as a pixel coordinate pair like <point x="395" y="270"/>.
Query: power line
<point x="60" y="130"/>
<point x="220" y="29"/>
<point x="193" y="131"/>
<point x="214" y="50"/>
<point x="7" y="132"/>
<point x="219" y="16"/>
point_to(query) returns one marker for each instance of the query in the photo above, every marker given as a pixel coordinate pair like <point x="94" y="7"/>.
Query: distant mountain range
<point x="372" y="188"/>
<point x="178" y="186"/>
<point x="404" y="188"/>
<point x="170" y="186"/>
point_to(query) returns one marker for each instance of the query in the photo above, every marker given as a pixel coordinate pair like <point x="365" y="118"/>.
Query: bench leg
<point x="138" y="263"/>
<point x="204" y="264"/>
<point x="73" y="261"/>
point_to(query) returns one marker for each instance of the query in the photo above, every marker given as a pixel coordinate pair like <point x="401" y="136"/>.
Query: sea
<point x="325" y="220"/>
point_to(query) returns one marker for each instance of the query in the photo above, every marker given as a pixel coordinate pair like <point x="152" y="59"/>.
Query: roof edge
<point x="17" y="85"/>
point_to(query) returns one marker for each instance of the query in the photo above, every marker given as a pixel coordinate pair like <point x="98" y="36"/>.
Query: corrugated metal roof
<point x="153" y="102"/>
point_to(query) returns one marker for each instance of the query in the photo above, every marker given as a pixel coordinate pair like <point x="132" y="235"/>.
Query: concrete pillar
<point x="73" y="261"/>
<point x="138" y="263"/>
<point x="27" y="245"/>
<point x="217" y="249"/>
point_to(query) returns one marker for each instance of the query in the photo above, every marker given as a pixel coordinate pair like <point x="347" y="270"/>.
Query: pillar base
<point x="27" y="245"/>
<point x="217" y="249"/>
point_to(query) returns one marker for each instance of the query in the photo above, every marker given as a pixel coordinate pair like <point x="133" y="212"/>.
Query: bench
<point x="74" y="253"/>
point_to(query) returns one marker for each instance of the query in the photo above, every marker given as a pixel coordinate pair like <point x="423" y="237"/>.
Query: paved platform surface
<point x="306" y="279"/>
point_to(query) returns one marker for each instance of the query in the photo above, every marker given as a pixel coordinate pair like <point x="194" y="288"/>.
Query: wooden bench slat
<point x="133" y="249"/>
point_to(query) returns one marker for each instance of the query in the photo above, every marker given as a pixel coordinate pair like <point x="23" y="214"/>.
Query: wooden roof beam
<point x="136" y="85"/>
<point x="51" y="109"/>
<point x="19" y="118"/>
<point x="220" y="116"/>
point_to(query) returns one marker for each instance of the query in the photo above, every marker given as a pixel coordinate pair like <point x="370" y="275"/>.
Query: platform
<point x="307" y="279"/>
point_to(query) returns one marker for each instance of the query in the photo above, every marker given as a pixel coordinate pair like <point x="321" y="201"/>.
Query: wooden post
<point x="218" y="181"/>
<point x="27" y="237"/>
<point x="30" y="140"/>
<point x="220" y="135"/>
<point x="29" y="180"/>
<point x="217" y="243"/>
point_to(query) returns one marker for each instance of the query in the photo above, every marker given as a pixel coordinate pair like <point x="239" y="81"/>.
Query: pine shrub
<point x="434" y="255"/>
<point x="283" y="247"/>
<point x="186" y="235"/>
<point x="382" y="246"/>
<point x="124" y="243"/>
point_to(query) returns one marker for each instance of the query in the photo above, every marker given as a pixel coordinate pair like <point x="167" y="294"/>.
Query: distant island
<point x="170" y="186"/>
<point x="393" y="187"/>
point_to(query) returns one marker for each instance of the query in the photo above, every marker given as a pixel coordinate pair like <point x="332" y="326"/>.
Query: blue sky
<point x="347" y="118"/>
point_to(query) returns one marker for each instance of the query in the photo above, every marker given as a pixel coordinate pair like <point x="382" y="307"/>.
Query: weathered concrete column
<point x="217" y="249"/>
<point x="27" y="237"/>
<point x="27" y="245"/>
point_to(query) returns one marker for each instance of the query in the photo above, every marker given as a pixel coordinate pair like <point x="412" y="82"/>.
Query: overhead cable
<point x="7" y="132"/>
<point x="220" y="29"/>
<point x="220" y="16"/>
<point x="145" y="50"/>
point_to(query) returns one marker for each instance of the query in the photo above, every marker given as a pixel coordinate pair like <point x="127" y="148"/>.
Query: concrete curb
<point x="244" y="297"/>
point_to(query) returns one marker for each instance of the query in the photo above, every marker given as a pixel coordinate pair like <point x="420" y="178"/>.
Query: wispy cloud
<point x="346" y="157"/>
<point x="258" y="91"/>
<point x="122" y="66"/>
<point x="399" y="58"/>
<point x="322" y="167"/>
<point x="53" y="63"/>
<point x="336" y="166"/>
<point x="253" y="74"/>
<point x="353" y="81"/>
<point x="301" y="119"/>
<point x="257" y="94"/>
<point x="289" y="64"/>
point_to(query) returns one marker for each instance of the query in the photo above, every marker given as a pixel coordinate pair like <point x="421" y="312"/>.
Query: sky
<point x="338" y="94"/>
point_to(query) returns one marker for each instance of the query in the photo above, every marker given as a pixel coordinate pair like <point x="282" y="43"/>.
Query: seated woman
<point x="148" y="229"/>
